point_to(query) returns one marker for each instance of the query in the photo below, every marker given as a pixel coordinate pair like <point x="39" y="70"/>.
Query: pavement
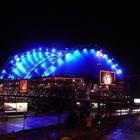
<point x="55" y="132"/>
<point x="18" y="122"/>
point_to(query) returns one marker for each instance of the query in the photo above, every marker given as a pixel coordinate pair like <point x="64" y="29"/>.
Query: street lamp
<point x="99" y="54"/>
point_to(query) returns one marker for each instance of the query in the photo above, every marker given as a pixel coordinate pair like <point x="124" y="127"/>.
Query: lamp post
<point x="99" y="54"/>
<point x="25" y="116"/>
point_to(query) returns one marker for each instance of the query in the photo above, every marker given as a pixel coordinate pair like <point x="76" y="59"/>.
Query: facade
<point x="74" y="74"/>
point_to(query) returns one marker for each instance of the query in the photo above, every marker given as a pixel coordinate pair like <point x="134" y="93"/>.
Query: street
<point x="127" y="129"/>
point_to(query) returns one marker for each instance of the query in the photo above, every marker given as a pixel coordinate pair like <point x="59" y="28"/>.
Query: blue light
<point x="28" y="77"/>
<point x="105" y="56"/>
<point x="53" y="50"/>
<point x="40" y="55"/>
<point x="16" y="56"/>
<point x="119" y="71"/>
<point x="17" y="59"/>
<point x="92" y="51"/>
<point x="77" y="52"/>
<point x="52" y="54"/>
<point x="28" y="53"/>
<point x="113" y="66"/>
<point x="29" y="57"/>
<point x="24" y="61"/>
<point x="40" y="62"/>
<point x="85" y="51"/>
<point x="46" y="53"/>
<point x="20" y="67"/>
<point x="11" y="61"/>
<point x="3" y="71"/>
<point x="12" y="77"/>
<point x="109" y="61"/>
<point x="59" y="53"/>
<point x="36" y="70"/>
<point x="43" y="65"/>
<point x="68" y="55"/>
<point x="60" y="61"/>
<point x="35" y="56"/>
<point x="52" y="68"/>
<point x="46" y="73"/>
<point x="16" y="72"/>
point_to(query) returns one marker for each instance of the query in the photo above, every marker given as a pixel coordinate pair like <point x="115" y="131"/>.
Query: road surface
<point x="127" y="129"/>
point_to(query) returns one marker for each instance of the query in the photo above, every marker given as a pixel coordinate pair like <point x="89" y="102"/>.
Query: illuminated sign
<point x="23" y="85"/>
<point x="107" y="77"/>
<point x="21" y="107"/>
<point x="9" y="107"/>
<point x="15" y="107"/>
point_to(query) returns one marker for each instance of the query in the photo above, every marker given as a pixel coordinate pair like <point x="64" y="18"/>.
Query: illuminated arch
<point x="42" y="62"/>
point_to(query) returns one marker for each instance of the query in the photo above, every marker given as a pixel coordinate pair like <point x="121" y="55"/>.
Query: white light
<point x="78" y="103"/>
<point x="99" y="54"/>
<point x="137" y="101"/>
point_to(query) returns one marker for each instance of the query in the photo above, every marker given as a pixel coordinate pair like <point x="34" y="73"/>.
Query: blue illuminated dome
<point x="41" y="62"/>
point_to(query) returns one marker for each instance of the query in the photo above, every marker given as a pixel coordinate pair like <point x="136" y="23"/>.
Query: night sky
<point x="114" y="30"/>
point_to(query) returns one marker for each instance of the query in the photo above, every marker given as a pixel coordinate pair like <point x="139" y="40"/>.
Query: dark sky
<point x="117" y="31"/>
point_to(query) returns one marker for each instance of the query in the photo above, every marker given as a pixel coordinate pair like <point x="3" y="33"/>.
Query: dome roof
<point x="41" y="62"/>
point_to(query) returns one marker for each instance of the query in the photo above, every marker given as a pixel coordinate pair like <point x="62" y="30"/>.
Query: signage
<point x="21" y="107"/>
<point x="15" y="107"/>
<point x="107" y="77"/>
<point x="9" y="107"/>
<point x="23" y="86"/>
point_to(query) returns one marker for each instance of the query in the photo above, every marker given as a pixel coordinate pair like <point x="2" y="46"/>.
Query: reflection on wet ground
<point x="18" y="123"/>
<point x="128" y="129"/>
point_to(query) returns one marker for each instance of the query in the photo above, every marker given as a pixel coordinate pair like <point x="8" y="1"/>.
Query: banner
<point x="23" y="86"/>
<point x="15" y="107"/>
<point x="21" y="107"/>
<point x="107" y="77"/>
